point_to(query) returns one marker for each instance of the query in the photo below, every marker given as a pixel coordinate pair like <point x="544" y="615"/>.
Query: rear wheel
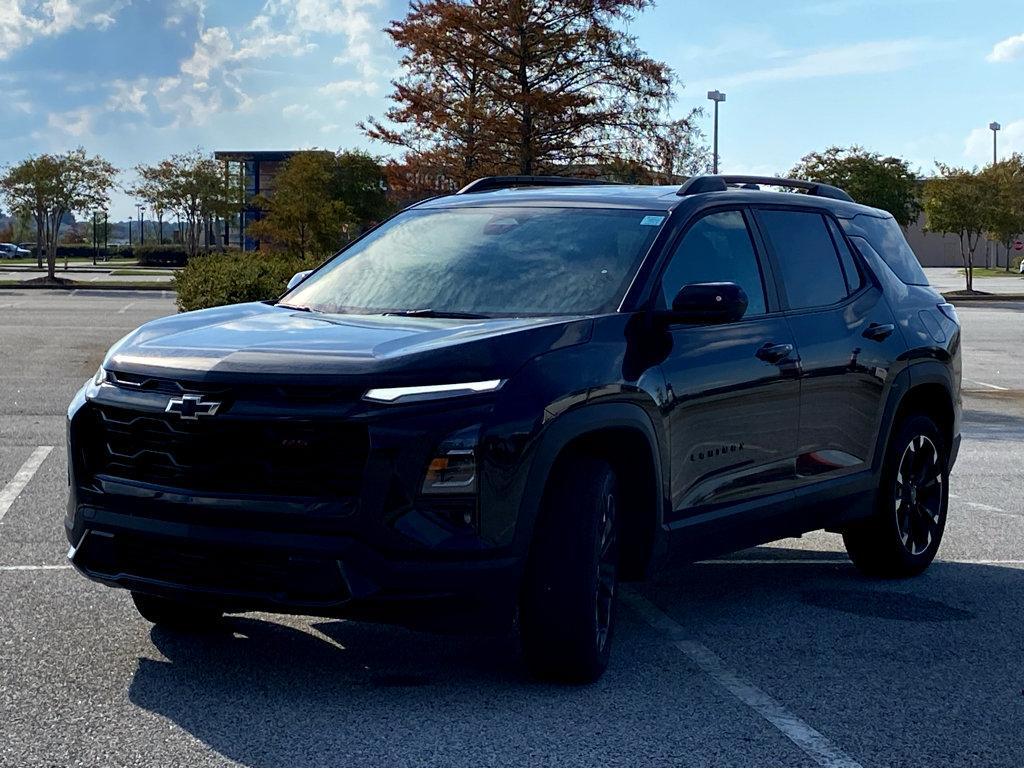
<point x="569" y="594"/>
<point x="903" y="535"/>
<point x="169" y="613"/>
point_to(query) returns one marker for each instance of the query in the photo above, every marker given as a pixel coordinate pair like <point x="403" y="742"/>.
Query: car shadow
<point x="918" y="672"/>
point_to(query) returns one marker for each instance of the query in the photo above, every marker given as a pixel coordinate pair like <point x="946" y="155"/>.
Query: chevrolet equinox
<point x="500" y="404"/>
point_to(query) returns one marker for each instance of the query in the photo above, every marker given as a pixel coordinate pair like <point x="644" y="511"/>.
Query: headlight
<point x="431" y="392"/>
<point x="452" y="469"/>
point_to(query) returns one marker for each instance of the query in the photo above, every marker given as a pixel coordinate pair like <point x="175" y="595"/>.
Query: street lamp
<point x="142" y="222"/>
<point x="716" y="97"/>
<point x="994" y="127"/>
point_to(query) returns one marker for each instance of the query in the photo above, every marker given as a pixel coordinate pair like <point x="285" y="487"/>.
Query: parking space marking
<point x="986" y="384"/>
<point x="40" y="567"/>
<point x="842" y="560"/>
<point x="10" y="492"/>
<point x="979" y="505"/>
<point x="803" y="735"/>
<point x="126" y="307"/>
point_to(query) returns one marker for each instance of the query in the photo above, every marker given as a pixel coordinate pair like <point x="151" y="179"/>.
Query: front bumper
<point x="247" y="570"/>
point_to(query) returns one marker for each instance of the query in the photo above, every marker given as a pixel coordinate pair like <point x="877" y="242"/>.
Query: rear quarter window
<point x="886" y="237"/>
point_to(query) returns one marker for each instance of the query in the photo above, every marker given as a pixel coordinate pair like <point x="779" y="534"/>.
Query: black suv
<point x="499" y="404"/>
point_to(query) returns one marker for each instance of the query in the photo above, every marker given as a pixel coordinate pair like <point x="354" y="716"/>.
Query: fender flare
<point x="575" y="424"/>
<point x="917" y="374"/>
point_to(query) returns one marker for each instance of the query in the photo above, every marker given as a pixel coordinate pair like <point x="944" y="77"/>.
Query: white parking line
<point x="986" y="384"/>
<point x="804" y="736"/>
<point x="10" y="492"/>
<point x="123" y="309"/>
<point x="841" y="560"/>
<point x="976" y="504"/>
<point x="41" y="567"/>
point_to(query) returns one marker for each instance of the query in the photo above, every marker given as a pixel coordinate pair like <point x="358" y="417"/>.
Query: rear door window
<point x="810" y="269"/>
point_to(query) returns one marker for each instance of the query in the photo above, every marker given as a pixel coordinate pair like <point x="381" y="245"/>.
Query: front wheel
<point x="569" y="594"/>
<point x="903" y="535"/>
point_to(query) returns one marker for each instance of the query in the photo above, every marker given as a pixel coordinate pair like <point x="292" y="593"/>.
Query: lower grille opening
<point x="283" y="457"/>
<point x="275" y="576"/>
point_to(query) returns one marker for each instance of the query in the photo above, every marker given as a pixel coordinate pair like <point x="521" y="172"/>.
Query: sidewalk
<point x="946" y="279"/>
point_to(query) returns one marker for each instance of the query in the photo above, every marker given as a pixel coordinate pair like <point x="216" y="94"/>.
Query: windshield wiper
<point x="428" y="313"/>
<point x="299" y="307"/>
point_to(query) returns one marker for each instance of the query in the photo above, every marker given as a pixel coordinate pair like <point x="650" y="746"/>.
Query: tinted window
<point x="489" y="260"/>
<point x="887" y="239"/>
<point x="716" y="249"/>
<point x="851" y="271"/>
<point x="810" y="265"/>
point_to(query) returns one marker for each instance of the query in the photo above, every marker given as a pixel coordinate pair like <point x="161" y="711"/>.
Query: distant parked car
<point x="11" y="251"/>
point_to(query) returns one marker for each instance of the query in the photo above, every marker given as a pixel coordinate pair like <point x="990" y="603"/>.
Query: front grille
<point x="282" y="457"/>
<point x="286" y="392"/>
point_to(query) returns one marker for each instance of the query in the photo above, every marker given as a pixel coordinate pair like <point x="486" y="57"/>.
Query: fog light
<point x="452" y="470"/>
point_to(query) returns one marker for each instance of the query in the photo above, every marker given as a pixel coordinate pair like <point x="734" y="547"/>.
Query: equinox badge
<point x="192" y="407"/>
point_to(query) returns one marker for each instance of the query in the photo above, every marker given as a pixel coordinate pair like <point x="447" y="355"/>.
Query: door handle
<point x="878" y="331"/>
<point x="774" y="353"/>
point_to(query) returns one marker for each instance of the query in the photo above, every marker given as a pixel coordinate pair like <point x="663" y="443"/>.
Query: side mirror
<point x="708" y="303"/>
<point x="297" y="278"/>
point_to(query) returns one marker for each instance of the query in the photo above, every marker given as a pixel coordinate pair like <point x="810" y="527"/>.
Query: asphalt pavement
<point x="780" y="655"/>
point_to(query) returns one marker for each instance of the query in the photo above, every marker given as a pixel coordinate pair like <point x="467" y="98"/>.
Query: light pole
<point x="142" y="227"/>
<point x="716" y="97"/>
<point x="995" y="129"/>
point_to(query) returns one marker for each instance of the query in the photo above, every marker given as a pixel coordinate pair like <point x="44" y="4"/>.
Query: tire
<point x="902" y="536"/>
<point x="179" y="615"/>
<point x="567" y="608"/>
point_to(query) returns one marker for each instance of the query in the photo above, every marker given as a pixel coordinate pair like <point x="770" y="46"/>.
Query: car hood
<point x="277" y="342"/>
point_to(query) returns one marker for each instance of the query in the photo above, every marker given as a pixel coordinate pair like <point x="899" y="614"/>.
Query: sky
<point x="137" y="80"/>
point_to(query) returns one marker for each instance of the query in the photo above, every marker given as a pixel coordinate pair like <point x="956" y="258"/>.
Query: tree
<point x="304" y="215"/>
<point x="527" y="87"/>
<point x="1006" y="214"/>
<point x="360" y="183"/>
<point x="958" y="202"/>
<point x="195" y="187"/>
<point x="52" y="187"/>
<point x="887" y="183"/>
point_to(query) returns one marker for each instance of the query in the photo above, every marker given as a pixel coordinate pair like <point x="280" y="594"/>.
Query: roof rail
<point x="488" y="183"/>
<point x="697" y="184"/>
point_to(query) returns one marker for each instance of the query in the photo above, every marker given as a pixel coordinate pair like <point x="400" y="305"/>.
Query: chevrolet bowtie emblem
<point x="192" y="407"/>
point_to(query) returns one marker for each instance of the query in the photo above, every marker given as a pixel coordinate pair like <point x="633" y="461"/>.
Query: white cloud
<point x="22" y="22"/>
<point x="872" y="57"/>
<point x="1010" y="49"/>
<point x="212" y="50"/>
<point x="76" y="122"/>
<point x="341" y="88"/>
<point x="300" y="112"/>
<point x="127" y="97"/>
<point x="978" y="144"/>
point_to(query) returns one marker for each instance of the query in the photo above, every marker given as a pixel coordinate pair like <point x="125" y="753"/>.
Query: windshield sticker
<point x="651" y="221"/>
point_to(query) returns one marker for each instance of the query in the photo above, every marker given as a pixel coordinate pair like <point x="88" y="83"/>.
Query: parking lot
<point x="781" y="655"/>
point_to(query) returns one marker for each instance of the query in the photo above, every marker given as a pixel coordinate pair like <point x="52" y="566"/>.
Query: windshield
<point x="487" y="261"/>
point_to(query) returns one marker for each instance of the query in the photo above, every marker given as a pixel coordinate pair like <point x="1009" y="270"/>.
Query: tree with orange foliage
<point x="530" y="87"/>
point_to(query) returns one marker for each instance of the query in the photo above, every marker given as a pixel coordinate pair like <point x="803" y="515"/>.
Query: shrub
<point x="229" y="278"/>
<point x="173" y="255"/>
